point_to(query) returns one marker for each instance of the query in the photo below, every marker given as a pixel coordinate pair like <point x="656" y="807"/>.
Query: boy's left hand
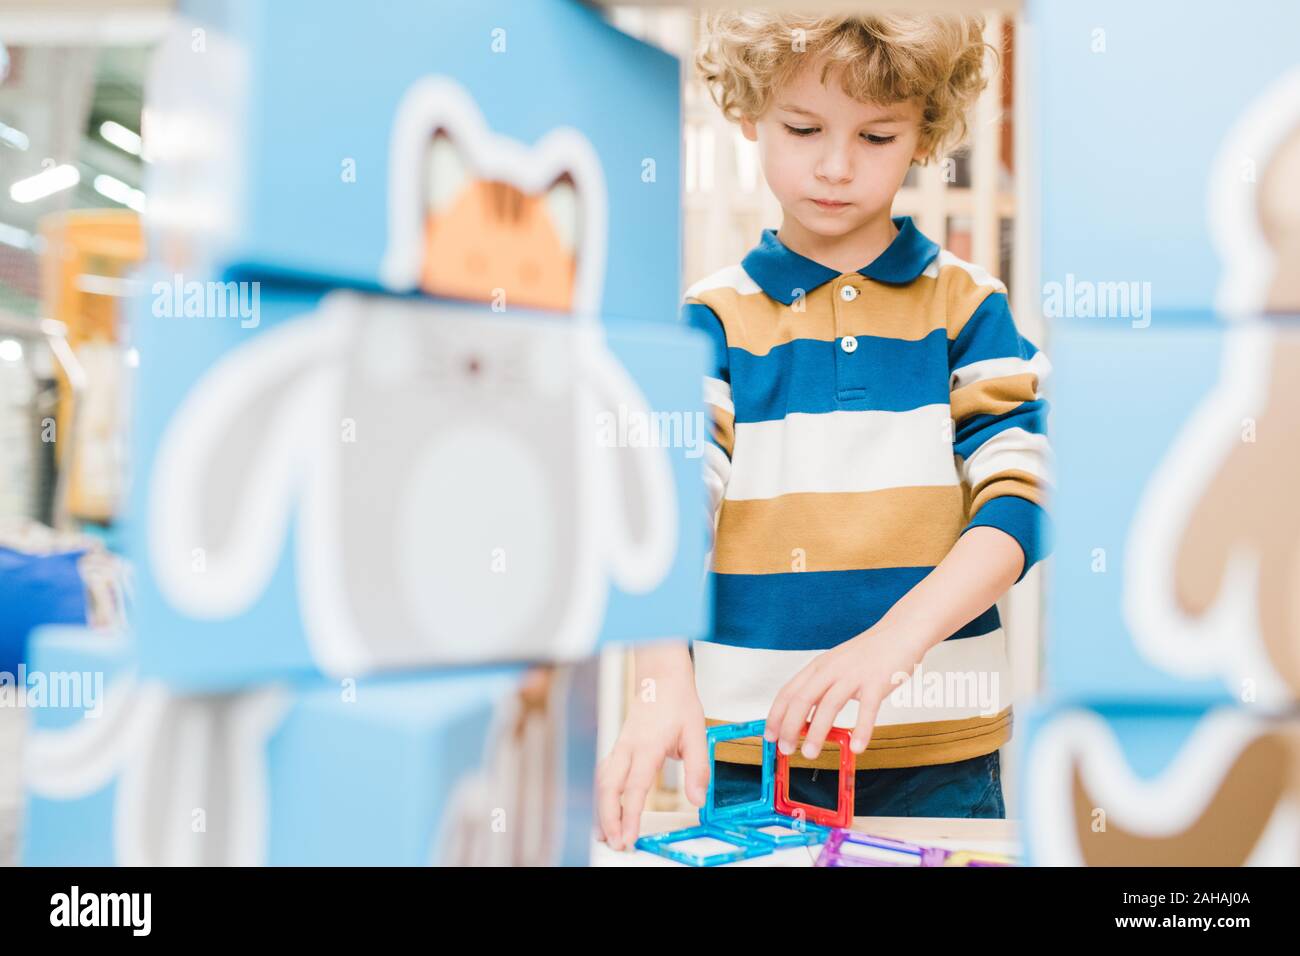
<point x="864" y="668"/>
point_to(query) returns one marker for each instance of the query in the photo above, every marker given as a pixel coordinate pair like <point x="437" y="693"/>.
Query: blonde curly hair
<point x="746" y="55"/>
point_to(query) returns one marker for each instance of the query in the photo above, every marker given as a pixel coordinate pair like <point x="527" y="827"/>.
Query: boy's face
<point x="832" y="162"/>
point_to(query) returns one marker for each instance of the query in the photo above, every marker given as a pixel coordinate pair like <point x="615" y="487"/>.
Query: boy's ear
<point x="748" y="129"/>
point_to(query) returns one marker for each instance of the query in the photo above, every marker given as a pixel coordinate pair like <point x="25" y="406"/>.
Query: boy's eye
<point x="879" y="140"/>
<point x="801" y="130"/>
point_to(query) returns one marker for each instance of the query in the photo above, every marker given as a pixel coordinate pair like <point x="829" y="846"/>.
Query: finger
<point x="776" y="717"/>
<point x="639" y="781"/>
<point x="695" y="764"/>
<point x="828" y="708"/>
<point x="780" y="704"/>
<point x="609" y="790"/>
<point x="801" y="703"/>
<point x="868" y="707"/>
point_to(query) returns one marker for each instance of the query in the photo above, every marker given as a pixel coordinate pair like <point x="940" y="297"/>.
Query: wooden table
<point x="992" y="836"/>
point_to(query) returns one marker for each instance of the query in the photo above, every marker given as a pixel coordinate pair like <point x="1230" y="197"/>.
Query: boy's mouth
<point x="830" y="205"/>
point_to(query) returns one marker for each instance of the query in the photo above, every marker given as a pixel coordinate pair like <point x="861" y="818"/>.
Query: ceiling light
<point x="121" y="137"/>
<point x="113" y="188"/>
<point x="13" y="137"/>
<point x="18" y="238"/>
<point x="45" y="183"/>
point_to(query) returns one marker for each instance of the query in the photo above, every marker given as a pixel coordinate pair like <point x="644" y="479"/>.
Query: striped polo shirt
<point x="863" y="422"/>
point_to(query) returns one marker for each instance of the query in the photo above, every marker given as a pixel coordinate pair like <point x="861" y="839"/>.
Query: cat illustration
<point x="490" y="239"/>
<point x="475" y="215"/>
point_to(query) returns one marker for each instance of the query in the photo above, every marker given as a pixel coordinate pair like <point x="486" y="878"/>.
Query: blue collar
<point x="779" y="271"/>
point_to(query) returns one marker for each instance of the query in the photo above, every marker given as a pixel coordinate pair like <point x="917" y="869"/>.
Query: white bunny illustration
<point x="476" y="515"/>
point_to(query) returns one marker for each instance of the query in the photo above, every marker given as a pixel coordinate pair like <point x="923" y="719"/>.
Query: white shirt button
<point x="848" y="293"/>
<point x="849" y="343"/>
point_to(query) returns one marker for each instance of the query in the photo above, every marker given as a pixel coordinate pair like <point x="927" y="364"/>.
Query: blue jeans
<point x="967" y="788"/>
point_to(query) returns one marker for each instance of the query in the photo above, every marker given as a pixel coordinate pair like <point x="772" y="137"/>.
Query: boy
<point x="881" y="459"/>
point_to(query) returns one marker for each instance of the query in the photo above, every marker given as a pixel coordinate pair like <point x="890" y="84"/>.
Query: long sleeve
<point x="1000" y="440"/>
<point x="717" y="395"/>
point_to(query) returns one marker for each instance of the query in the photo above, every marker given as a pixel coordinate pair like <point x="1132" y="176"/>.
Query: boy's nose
<point x="834" y="167"/>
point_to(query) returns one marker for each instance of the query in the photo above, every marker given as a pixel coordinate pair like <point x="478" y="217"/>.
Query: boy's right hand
<point x="665" y="719"/>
